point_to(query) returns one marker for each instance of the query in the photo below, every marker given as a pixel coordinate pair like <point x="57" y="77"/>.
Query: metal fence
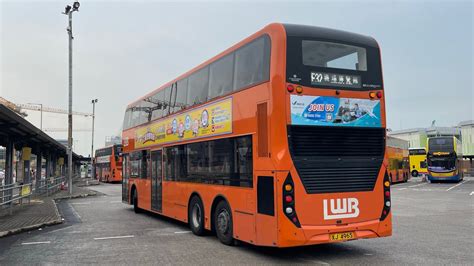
<point x="13" y="194"/>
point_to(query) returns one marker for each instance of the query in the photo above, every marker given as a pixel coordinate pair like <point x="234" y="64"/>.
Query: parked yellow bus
<point x="417" y="159"/>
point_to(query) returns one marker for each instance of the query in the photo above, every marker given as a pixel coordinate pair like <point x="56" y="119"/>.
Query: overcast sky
<point x="125" y="49"/>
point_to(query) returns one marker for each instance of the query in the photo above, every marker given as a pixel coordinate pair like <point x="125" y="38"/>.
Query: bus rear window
<point x="334" y="64"/>
<point x="334" y="55"/>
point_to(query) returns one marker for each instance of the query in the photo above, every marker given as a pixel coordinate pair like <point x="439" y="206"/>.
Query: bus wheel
<point x="414" y="173"/>
<point x="223" y="223"/>
<point x="135" y="201"/>
<point x="196" y="216"/>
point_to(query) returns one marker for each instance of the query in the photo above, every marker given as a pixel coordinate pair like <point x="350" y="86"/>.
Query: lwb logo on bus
<point x="341" y="208"/>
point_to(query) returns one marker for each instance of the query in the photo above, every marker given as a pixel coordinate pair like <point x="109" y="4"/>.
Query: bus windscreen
<point x="441" y="145"/>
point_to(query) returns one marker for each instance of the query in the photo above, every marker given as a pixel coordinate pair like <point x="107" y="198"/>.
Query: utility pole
<point x="41" y="117"/>
<point x="94" y="101"/>
<point x="68" y="11"/>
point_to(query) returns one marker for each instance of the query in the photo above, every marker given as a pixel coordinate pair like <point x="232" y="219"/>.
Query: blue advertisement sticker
<point x="332" y="111"/>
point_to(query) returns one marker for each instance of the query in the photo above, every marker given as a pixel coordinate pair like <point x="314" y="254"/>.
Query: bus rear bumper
<point x="314" y="235"/>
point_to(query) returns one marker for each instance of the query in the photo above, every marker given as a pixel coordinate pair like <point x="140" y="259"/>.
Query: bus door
<point x="156" y="181"/>
<point x="125" y="175"/>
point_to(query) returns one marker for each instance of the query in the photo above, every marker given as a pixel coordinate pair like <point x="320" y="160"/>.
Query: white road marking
<point x="182" y="232"/>
<point x="423" y="189"/>
<point x="418" y="185"/>
<point x="81" y="203"/>
<point x="113" y="237"/>
<point x="457" y="185"/>
<point x="36" y="243"/>
<point x="470" y="194"/>
<point x="75" y="213"/>
<point x="402" y="188"/>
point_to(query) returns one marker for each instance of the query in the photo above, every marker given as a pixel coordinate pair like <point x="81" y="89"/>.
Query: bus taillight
<point x="290" y="88"/>
<point x="289" y="201"/>
<point x="387" y="202"/>
<point x="379" y="94"/>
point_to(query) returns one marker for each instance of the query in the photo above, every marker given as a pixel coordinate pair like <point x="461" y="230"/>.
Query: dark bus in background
<point x="444" y="159"/>
<point x="108" y="164"/>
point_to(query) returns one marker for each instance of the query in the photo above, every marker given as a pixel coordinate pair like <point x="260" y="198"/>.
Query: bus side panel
<point x="266" y="225"/>
<point x="144" y="193"/>
<point x="242" y="203"/>
<point x="174" y="203"/>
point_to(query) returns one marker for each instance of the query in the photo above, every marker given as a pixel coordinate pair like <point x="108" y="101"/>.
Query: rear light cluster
<point x="386" y="196"/>
<point x="374" y="94"/>
<point x="289" y="201"/>
<point x="291" y="88"/>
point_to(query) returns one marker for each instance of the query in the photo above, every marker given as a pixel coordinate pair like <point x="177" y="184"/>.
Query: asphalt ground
<point x="432" y="224"/>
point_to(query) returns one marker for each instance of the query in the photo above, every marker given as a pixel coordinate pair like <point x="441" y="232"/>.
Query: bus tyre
<point x="223" y="223"/>
<point x="414" y="173"/>
<point x="135" y="201"/>
<point x="196" y="216"/>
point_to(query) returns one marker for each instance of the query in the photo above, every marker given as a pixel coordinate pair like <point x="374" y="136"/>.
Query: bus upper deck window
<point x="334" y="55"/>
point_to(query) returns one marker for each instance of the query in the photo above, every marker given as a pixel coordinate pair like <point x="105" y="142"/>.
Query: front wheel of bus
<point x="223" y="223"/>
<point x="414" y="173"/>
<point x="196" y="216"/>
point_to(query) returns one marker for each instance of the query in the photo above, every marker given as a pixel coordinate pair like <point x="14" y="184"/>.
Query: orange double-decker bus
<point x="108" y="164"/>
<point x="277" y="141"/>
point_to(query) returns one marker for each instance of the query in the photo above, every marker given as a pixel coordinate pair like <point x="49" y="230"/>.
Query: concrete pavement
<point x="41" y="211"/>
<point x="432" y="224"/>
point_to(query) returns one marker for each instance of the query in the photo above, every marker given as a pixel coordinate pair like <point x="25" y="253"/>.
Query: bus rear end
<point x="116" y="164"/>
<point x="337" y="188"/>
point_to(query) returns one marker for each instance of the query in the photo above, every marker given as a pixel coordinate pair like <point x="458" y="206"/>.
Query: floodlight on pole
<point x="68" y="11"/>
<point x="76" y="6"/>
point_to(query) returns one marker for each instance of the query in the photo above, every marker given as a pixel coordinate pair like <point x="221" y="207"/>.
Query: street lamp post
<point x="94" y="101"/>
<point x="68" y="11"/>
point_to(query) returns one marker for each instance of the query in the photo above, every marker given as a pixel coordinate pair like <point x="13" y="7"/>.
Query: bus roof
<point x="108" y="147"/>
<point x="291" y="30"/>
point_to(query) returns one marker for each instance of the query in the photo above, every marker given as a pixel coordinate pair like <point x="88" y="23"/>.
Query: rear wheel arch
<point x="194" y="194"/>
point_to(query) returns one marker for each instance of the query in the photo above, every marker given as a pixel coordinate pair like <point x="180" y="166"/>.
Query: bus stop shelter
<point x="17" y="134"/>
